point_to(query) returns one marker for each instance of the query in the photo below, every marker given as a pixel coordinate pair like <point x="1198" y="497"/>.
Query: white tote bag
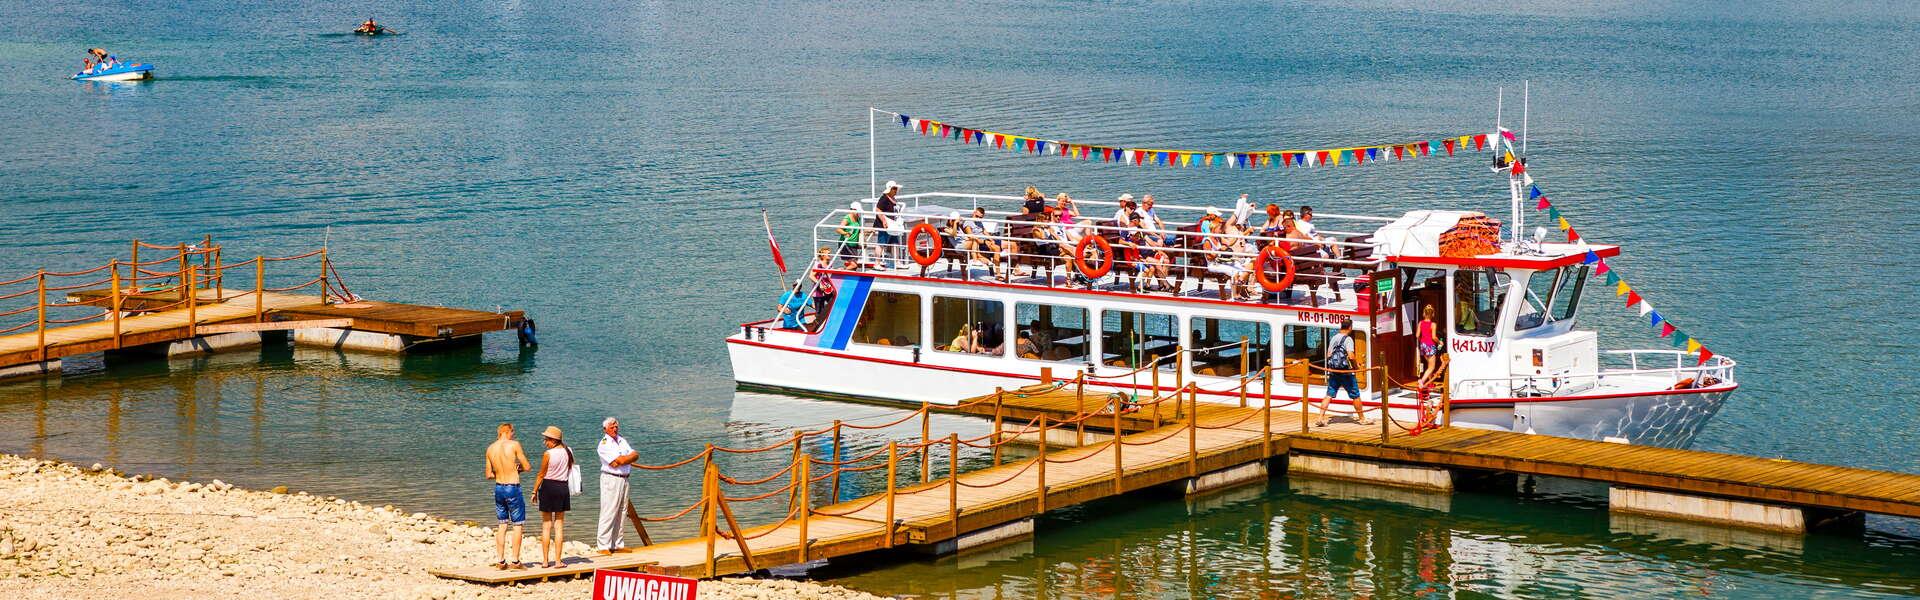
<point x="573" y="475"/>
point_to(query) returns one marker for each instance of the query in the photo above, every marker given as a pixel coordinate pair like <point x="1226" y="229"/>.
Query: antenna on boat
<point x="873" y="171"/>
<point x="1500" y="164"/>
<point x="1525" y="103"/>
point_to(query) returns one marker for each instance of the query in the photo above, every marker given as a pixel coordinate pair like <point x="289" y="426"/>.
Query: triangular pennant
<point x="1633" y="298"/>
<point x="923" y="127"/>
<point x="1604" y="269"/>
<point x="905" y="122"/>
<point x="1519" y="168"/>
<point x="1645" y="307"/>
<point x="1373" y="153"/>
<point x="1612" y="279"/>
<point x="1533" y="191"/>
<point x="1398" y="152"/>
<point x="1564" y="226"/>
<point x="1139" y="156"/>
<point x="1592" y="258"/>
<point x="1449" y="144"/>
<point x="1666" y="329"/>
<point x="1572" y="236"/>
<point x="1480" y="141"/>
<point x="1653" y="317"/>
<point x="1680" y="339"/>
<point x="1704" y="353"/>
<point x="1543" y="205"/>
<point x="1359" y="156"/>
<point x="1320" y="158"/>
<point x="1693" y="345"/>
<point x="1206" y="160"/>
<point x="1620" y="287"/>
<point x="1425" y="149"/>
<point x="1553" y="213"/>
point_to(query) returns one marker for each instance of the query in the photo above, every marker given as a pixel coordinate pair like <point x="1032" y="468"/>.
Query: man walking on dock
<point x="616" y="462"/>
<point x="505" y="462"/>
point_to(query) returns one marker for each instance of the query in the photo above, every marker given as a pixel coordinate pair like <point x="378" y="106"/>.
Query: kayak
<point x="130" y="72"/>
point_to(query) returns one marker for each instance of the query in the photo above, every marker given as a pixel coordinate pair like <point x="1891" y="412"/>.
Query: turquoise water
<point x="603" y="167"/>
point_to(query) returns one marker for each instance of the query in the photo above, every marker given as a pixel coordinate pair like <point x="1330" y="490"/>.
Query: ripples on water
<point x="603" y="166"/>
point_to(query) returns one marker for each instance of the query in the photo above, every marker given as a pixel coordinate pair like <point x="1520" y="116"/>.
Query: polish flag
<point x="773" y="245"/>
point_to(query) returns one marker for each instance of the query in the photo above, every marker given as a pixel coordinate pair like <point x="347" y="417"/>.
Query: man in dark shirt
<point x="888" y="209"/>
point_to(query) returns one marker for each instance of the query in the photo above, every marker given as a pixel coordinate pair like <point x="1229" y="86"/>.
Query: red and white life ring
<point x="1273" y="252"/>
<point x="1080" y="257"/>
<point x="932" y="254"/>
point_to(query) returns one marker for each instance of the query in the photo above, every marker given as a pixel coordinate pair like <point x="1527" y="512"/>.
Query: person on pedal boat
<point x="368" y="27"/>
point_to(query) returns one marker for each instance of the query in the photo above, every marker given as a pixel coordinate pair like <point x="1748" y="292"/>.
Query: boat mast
<point x="1513" y="184"/>
<point x="873" y="172"/>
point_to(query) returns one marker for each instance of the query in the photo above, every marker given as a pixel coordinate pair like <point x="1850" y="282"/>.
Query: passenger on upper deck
<point x="1152" y="218"/>
<point x="974" y="241"/>
<point x="1242" y="210"/>
<point x="887" y="223"/>
<point x="1124" y="214"/>
<point x="849" y="231"/>
<point x="1033" y="202"/>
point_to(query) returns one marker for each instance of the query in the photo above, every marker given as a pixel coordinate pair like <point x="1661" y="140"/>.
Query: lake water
<point x="604" y="166"/>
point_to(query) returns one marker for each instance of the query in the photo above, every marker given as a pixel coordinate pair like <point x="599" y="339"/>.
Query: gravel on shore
<point x="72" y="532"/>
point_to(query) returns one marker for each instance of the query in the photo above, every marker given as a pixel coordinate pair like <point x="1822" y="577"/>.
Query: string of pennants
<point x="1356" y="155"/>
<point x="1621" y="289"/>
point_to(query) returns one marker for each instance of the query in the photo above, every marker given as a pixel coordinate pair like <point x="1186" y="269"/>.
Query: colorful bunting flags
<point x="1659" y="322"/>
<point x="1357" y="155"/>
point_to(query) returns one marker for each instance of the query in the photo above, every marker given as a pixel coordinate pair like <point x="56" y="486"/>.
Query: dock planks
<point x="1227" y="436"/>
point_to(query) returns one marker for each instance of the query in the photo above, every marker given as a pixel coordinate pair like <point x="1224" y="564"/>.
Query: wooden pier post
<point x="926" y="439"/>
<point x="1266" y="416"/>
<point x="40" y="320"/>
<point x="136" y="267"/>
<point x="1385" y="387"/>
<point x="709" y="490"/>
<point x="893" y="463"/>
<point x="1080" y="410"/>
<point x="1041" y="488"/>
<point x="1193" y="430"/>
<point x="1243" y="371"/>
<point x="998" y="429"/>
<point x="834" y="494"/>
<point x="806" y="501"/>
<point x="323" y="275"/>
<point x="1446" y="400"/>
<point x="193" y="301"/>
<point x="181" y="276"/>
<point x="953" y="482"/>
<point x="113" y="298"/>
<point x="1306" y="379"/>
<point x="1119" y="484"/>
<point x="259" y="289"/>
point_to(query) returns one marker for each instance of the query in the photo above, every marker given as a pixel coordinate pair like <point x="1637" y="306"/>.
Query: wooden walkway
<point x="1226" y="436"/>
<point x="131" y="303"/>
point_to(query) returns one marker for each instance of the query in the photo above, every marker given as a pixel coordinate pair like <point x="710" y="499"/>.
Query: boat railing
<point x="1716" y="369"/>
<point x="1328" y="260"/>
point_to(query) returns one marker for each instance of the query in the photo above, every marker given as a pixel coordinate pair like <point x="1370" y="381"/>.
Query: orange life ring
<point x="1080" y="257"/>
<point x="1270" y="253"/>
<point x="933" y="250"/>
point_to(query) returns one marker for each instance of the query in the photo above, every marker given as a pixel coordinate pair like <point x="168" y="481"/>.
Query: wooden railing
<point x="130" y="288"/>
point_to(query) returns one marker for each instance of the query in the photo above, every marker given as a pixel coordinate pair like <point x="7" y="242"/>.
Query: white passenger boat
<point x="938" y="326"/>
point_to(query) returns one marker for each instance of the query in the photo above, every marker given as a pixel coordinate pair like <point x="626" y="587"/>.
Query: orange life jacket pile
<point x="1475" y="235"/>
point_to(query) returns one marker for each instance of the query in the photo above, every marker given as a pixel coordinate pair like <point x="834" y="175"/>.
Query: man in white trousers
<point x="616" y="460"/>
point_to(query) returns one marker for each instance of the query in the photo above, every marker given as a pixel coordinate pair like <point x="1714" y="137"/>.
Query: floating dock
<point x="1196" y="448"/>
<point x="181" y="303"/>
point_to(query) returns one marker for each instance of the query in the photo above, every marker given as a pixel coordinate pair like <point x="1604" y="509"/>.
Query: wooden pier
<point x="183" y="301"/>
<point x="1196" y="446"/>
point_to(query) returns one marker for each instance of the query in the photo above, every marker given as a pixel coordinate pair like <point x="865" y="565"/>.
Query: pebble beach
<point x="90" y="532"/>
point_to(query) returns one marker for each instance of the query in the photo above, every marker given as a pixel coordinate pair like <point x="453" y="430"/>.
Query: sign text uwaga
<point x="621" y="585"/>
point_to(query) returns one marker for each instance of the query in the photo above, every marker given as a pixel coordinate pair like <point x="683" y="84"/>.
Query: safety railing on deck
<point x="191" y="276"/>
<point x="1248" y="263"/>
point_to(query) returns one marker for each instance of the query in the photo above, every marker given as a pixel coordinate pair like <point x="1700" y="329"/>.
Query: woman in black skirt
<point x="554" y="496"/>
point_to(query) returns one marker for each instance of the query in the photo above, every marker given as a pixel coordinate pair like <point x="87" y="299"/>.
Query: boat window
<point x="1566" y="299"/>
<point x="1211" y="359"/>
<point x="1055" y="333"/>
<point x="889" y="319"/>
<point x="1310" y="342"/>
<point x="1551" y="296"/>
<point x="1130" y="339"/>
<point x="969" y="326"/>
<point x="1477" y="297"/>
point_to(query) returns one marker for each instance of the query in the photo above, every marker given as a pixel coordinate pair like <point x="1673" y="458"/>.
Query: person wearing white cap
<point x="886" y="210"/>
<point x="850" y="237"/>
<point x="1123" y="216"/>
<point x="616" y="463"/>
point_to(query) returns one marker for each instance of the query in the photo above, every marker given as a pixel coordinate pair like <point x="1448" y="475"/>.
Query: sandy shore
<point x="71" y="532"/>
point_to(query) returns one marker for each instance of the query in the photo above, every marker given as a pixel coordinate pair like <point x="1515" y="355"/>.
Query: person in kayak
<point x="368" y="27"/>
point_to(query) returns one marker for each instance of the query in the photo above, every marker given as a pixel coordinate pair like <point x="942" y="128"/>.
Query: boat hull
<point x="1669" y="418"/>
<point x="127" y="75"/>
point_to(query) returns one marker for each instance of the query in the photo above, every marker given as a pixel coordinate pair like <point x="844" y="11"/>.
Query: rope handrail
<point x="871" y="500"/>
<point x="103" y="314"/>
<point x="779" y="444"/>
<point x="791" y="513"/>
<point x="683" y="512"/>
<point x="223" y="267"/>
<point x="168" y="259"/>
<point x="859" y="469"/>
<point x="193" y="247"/>
<point x="1098" y="450"/>
<point x="902" y="419"/>
<point x="78" y="273"/>
<point x="21" y="309"/>
<point x="783" y="471"/>
<point x="79" y="285"/>
<point x="702" y="454"/>
<point x="1172" y="432"/>
<point x="22" y="279"/>
<point x="293" y="257"/>
<point x="836" y="463"/>
<point x="758" y="497"/>
<point x="1023" y="470"/>
<point x="17" y="327"/>
<point x="295" y="287"/>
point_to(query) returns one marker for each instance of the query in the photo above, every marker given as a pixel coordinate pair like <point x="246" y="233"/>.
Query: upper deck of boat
<point x="1329" y="274"/>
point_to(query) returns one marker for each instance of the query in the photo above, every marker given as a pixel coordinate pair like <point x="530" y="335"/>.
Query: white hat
<point x="1213" y="212"/>
<point x="855" y="205"/>
<point x="893" y="186"/>
<point x="1126" y="197"/>
<point x="953" y="214"/>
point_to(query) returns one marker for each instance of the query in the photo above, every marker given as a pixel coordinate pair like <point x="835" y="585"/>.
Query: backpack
<point x="1338" y="357"/>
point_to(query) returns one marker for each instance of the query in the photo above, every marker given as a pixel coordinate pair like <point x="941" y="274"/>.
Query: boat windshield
<point x="1551" y="296"/>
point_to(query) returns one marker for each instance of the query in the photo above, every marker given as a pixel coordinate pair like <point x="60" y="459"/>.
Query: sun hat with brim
<point x="893" y="186"/>
<point x="551" y="432"/>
